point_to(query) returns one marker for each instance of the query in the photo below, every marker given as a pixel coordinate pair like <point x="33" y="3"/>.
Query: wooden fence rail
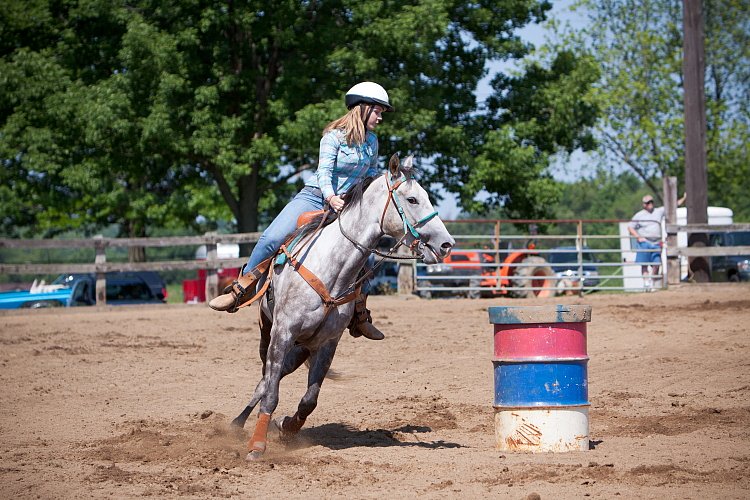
<point x="675" y="252"/>
<point x="99" y="242"/>
<point x="100" y="266"/>
<point x="212" y="263"/>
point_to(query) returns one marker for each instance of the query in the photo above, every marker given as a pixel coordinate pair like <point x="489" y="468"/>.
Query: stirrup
<point x="237" y="293"/>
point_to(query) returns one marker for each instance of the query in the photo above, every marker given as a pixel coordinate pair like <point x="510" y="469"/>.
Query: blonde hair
<point x="352" y="126"/>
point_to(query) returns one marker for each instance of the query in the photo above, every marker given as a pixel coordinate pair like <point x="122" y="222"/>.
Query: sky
<point x="567" y="170"/>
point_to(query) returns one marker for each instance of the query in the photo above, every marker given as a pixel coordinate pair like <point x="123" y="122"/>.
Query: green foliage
<point x="603" y="196"/>
<point x="532" y="116"/>
<point x="148" y="113"/>
<point x="638" y="46"/>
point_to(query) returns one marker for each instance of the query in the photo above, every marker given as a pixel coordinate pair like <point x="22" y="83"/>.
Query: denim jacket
<point x="341" y="166"/>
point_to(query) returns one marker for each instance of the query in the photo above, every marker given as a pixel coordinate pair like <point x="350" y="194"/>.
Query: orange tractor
<point x="524" y="271"/>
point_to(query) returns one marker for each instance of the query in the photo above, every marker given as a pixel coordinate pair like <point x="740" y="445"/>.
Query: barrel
<point x="541" y="377"/>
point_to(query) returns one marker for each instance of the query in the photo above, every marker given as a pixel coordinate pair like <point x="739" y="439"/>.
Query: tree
<point x="149" y="112"/>
<point x="531" y="117"/>
<point x="638" y="46"/>
<point x="727" y="48"/>
<point x="604" y="195"/>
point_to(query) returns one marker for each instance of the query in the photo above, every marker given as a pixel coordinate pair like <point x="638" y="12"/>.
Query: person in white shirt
<point x="645" y="227"/>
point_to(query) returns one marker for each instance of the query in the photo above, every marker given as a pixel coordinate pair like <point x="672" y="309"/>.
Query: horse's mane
<point x="351" y="198"/>
<point x="357" y="191"/>
<point x="354" y="195"/>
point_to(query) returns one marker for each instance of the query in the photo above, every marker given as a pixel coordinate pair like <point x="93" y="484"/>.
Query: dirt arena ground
<point x="133" y="402"/>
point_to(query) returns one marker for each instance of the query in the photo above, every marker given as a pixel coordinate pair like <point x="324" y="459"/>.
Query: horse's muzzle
<point x="432" y="255"/>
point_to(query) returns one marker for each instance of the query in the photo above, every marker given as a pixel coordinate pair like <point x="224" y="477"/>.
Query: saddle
<point x="308" y="223"/>
<point x="314" y="216"/>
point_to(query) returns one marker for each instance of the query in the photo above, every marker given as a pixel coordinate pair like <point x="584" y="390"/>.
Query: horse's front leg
<point x="293" y="360"/>
<point x="320" y="363"/>
<point x="281" y="343"/>
<point x="265" y="340"/>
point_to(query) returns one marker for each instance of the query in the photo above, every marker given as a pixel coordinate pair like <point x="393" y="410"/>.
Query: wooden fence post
<point x="670" y="217"/>
<point x="696" y="176"/>
<point x="212" y="277"/>
<point x="406" y="273"/>
<point x="101" y="277"/>
<point x="579" y="256"/>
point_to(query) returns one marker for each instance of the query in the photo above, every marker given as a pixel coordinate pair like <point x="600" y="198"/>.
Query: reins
<point x="353" y="290"/>
<point x="409" y="228"/>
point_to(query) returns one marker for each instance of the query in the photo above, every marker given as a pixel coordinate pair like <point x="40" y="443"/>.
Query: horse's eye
<point x="412" y="200"/>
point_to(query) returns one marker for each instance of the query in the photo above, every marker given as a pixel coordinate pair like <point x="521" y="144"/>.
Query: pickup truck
<point x="70" y="290"/>
<point x="730" y="267"/>
<point x="28" y="299"/>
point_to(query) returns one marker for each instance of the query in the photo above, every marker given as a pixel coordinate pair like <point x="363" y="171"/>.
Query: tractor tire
<point x="425" y="294"/>
<point x="541" y="275"/>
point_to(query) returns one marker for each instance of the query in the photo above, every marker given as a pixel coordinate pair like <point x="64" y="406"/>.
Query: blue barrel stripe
<point x="548" y="383"/>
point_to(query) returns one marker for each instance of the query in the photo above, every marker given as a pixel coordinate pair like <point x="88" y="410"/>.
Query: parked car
<point x="28" y="299"/>
<point x="730" y="267"/>
<point x="564" y="262"/>
<point x="385" y="281"/>
<point x="69" y="290"/>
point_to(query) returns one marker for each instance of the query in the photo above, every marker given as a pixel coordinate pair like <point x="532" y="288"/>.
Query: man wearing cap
<point x="645" y="226"/>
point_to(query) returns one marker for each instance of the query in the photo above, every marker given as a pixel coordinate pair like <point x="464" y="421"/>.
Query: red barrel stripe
<point x="542" y="340"/>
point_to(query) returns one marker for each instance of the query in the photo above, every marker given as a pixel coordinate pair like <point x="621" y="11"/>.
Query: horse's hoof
<point x="254" y="456"/>
<point x="277" y="424"/>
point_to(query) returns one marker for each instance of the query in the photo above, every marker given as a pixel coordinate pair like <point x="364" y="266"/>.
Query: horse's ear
<point x="393" y="165"/>
<point x="407" y="167"/>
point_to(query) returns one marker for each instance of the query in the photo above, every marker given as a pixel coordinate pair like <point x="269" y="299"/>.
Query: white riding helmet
<point x="368" y="93"/>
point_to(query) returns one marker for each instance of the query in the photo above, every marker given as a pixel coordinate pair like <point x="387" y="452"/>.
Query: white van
<point x="223" y="251"/>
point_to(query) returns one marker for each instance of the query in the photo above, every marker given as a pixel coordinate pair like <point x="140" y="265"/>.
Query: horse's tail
<point x="331" y="374"/>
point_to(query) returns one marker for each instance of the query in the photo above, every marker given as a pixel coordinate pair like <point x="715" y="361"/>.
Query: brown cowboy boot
<point x="361" y="324"/>
<point x="240" y="291"/>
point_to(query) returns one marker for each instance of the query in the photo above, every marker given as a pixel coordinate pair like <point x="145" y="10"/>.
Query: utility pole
<point x="696" y="178"/>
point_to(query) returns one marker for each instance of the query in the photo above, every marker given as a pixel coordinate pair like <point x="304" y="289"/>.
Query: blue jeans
<point x="283" y="225"/>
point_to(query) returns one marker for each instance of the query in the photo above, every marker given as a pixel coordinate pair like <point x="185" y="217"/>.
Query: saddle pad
<point x="281" y="257"/>
<point x="304" y="219"/>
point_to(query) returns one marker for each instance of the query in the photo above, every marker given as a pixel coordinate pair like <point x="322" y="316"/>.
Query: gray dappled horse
<point x="300" y="326"/>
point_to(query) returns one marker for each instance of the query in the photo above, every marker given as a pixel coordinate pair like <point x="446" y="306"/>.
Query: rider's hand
<point x="336" y="202"/>
<point x="641" y="239"/>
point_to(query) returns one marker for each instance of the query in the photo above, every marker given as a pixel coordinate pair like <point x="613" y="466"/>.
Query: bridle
<point x="409" y="227"/>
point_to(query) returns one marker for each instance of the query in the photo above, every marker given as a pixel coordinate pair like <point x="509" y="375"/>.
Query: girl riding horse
<point x="348" y="154"/>
<point x="313" y="292"/>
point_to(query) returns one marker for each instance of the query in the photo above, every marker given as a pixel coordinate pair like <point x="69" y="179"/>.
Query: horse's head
<point x="410" y="214"/>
